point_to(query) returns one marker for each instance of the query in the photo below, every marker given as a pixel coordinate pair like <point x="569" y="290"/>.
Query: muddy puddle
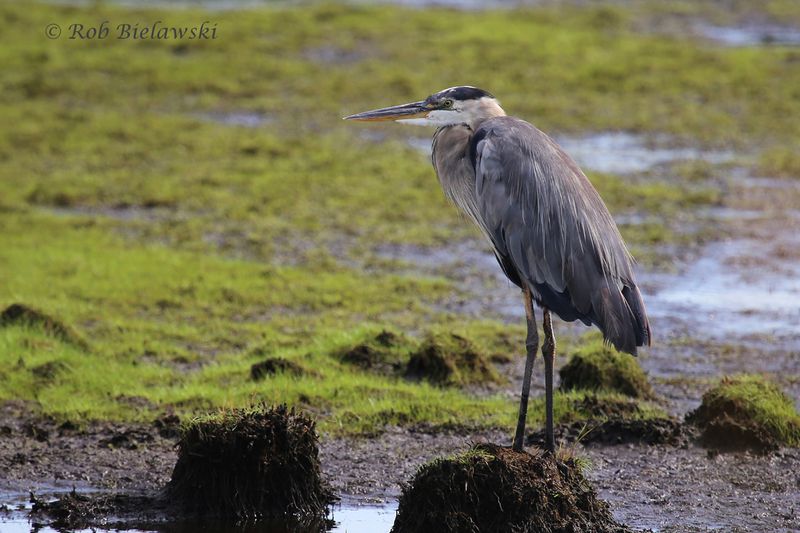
<point x="242" y="119"/>
<point x="346" y="517"/>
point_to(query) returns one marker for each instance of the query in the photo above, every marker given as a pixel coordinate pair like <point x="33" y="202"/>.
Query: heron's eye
<point x="447" y="104"/>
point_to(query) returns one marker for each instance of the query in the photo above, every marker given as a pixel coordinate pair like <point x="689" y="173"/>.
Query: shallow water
<point x="244" y="119"/>
<point x="625" y="153"/>
<point x="349" y="518"/>
<point x="616" y="152"/>
<point x="756" y="35"/>
<point x="733" y="290"/>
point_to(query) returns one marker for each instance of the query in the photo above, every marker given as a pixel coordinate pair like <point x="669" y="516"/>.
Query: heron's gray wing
<point x="548" y="223"/>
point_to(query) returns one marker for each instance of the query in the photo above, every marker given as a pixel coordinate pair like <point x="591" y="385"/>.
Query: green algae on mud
<point x="746" y="412"/>
<point x="177" y="245"/>
<point x="142" y="143"/>
<point x="491" y="488"/>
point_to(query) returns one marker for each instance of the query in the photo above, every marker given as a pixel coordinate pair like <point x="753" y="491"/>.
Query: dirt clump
<point x="16" y="314"/>
<point x="384" y="353"/>
<point x="168" y="426"/>
<point x="274" y="365"/>
<point x="450" y="359"/>
<point x="614" y="431"/>
<point x="247" y="463"/>
<point x="127" y="439"/>
<point x="746" y="412"/>
<point x="596" y="366"/>
<point x="492" y="488"/>
<point x="49" y="371"/>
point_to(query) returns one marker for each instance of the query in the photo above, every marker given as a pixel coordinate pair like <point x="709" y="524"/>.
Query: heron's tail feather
<point x="621" y="316"/>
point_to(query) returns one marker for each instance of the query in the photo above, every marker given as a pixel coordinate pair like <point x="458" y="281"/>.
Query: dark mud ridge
<point x="663" y="431"/>
<point x="492" y="488"/>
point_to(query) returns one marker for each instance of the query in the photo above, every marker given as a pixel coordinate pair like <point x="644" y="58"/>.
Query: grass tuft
<point x="491" y="488"/>
<point x="747" y="411"/>
<point x="597" y="366"/>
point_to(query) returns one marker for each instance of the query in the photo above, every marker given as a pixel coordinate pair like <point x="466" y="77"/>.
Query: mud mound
<point x="81" y="511"/>
<point x="49" y="371"/>
<point x="16" y="314"/>
<point x="746" y="413"/>
<point x="248" y="463"/>
<point x="490" y="488"/>
<point x="273" y="365"/>
<point x="596" y="366"/>
<point x="383" y="353"/>
<point x="613" y="431"/>
<point x="448" y="359"/>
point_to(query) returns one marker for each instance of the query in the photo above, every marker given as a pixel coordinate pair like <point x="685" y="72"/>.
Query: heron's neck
<point x="484" y="109"/>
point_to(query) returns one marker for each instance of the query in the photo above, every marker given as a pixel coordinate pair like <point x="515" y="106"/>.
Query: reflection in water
<point x="346" y="518"/>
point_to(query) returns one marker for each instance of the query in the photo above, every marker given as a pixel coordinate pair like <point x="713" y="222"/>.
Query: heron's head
<point x="456" y="105"/>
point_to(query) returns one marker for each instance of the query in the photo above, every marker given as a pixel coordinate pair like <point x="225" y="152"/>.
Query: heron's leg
<point x="549" y="355"/>
<point x="532" y="345"/>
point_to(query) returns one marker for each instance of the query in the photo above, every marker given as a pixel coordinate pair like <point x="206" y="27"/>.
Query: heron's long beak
<point x="405" y="111"/>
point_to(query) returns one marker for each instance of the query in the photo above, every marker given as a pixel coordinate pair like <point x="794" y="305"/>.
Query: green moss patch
<point x="491" y="488"/>
<point x="597" y="366"/>
<point x="747" y="412"/>
<point x="174" y="239"/>
<point x="450" y="359"/>
<point x="248" y="463"/>
<point x="780" y="162"/>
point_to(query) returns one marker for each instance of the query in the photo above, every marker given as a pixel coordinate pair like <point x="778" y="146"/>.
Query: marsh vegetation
<point x="188" y="226"/>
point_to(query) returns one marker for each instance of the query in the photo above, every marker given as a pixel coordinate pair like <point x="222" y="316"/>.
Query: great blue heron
<point x="551" y="233"/>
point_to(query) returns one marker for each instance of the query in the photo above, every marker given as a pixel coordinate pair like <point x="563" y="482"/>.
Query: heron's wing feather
<point x="547" y="221"/>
